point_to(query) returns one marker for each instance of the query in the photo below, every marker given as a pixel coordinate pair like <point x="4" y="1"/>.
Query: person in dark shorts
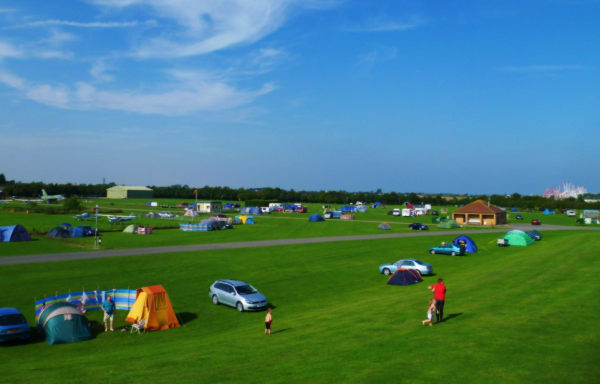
<point x="268" y="321"/>
<point x="439" y="294"/>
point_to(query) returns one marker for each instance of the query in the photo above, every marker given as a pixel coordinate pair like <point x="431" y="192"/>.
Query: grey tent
<point x="59" y="233"/>
<point x="131" y="228"/>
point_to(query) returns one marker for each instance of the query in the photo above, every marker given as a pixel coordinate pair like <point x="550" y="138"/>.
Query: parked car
<point x="570" y="213"/>
<point x="418" y="226"/>
<point x="447" y="249"/>
<point x="183" y="204"/>
<point x="237" y="294"/>
<point x="536" y="222"/>
<point x="424" y="268"/>
<point x="519" y="217"/>
<point x="435" y="213"/>
<point x="13" y="325"/>
<point x="166" y="215"/>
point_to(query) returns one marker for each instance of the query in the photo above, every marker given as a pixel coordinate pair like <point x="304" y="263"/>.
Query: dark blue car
<point x="13" y="325"/>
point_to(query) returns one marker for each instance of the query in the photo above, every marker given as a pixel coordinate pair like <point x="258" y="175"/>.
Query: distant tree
<point x="72" y="204"/>
<point x="2" y="179"/>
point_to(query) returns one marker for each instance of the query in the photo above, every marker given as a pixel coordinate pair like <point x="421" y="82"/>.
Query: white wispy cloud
<point x="189" y="92"/>
<point x="7" y="50"/>
<point x="381" y="25"/>
<point x="208" y="26"/>
<point x="79" y="24"/>
<point x="99" y="72"/>
<point x="379" y="55"/>
<point x="542" y="68"/>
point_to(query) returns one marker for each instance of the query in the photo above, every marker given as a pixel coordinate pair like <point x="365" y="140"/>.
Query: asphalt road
<point x="53" y="257"/>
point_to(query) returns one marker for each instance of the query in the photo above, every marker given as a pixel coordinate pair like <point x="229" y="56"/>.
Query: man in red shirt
<point x="439" y="294"/>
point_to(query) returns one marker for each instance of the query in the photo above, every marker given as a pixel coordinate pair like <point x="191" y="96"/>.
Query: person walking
<point x="430" y="311"/>
<point x="268" y="321"/>
<point x="108" y="307"/>
<point x="439" y="294"/>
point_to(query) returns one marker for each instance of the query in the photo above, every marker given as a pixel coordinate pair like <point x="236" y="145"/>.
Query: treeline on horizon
<point x="268" y="194"/>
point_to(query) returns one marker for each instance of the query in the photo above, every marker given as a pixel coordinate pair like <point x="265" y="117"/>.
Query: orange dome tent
<point x="152" y="304"/>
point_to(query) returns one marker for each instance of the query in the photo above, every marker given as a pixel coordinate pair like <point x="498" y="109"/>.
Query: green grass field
<point x="268" y="227"/>
<point x="516" y="314"/>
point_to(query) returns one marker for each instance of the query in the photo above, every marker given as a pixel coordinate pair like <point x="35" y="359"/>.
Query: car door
<point x="408" y="264"/>
<point x="229" y="295"/>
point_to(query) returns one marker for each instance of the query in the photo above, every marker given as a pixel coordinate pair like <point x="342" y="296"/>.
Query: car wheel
<point x="239" y="306"/>
<point x="432" y="252"/>
<point x="453" y="253"/>
<point x="215" y="300"/>
<point x="386" y="272"/>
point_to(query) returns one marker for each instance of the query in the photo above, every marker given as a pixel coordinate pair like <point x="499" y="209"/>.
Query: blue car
<point x="448" y="249"/>
<point x="13" y="325"/>
<point x="424" y="268"/>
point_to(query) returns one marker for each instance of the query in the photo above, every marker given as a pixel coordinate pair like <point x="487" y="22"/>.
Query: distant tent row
<point x="251" y="210"/>
<point x="79" y="231"/>
<point x="11" y="233"/>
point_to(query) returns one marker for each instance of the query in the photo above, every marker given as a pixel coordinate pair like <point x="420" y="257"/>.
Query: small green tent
<point x="518" y="238"/>
<point x="448" y="224"/>
<point x="131" y="228"/>
<point x="62" y="322"/>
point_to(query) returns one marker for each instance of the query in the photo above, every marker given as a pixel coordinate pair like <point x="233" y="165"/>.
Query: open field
<point x="516" y="314"/>
<point x="268" y="227"/>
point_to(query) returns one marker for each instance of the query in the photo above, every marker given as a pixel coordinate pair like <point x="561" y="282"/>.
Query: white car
<point x="570" y="212"/>
<point x="166" y="215"/>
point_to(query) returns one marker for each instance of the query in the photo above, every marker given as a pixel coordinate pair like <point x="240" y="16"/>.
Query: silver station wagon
<point x="238" y="294"/>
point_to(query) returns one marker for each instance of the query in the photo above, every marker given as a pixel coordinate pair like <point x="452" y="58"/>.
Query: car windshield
<point x="12" y="319"/>
<point x="245" y="289"/>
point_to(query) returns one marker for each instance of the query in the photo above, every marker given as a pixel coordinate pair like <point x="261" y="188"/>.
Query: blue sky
<point x="456" y="97"/>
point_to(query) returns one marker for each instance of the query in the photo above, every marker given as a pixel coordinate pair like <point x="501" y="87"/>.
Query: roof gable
<point x="479" y="206"/>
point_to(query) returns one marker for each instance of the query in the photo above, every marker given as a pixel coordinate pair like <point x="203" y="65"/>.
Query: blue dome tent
<point x="405" y="277"/>
<point x="315" y="217"/>
<point x="12" y="233"/>
<point x="471" y="247"/>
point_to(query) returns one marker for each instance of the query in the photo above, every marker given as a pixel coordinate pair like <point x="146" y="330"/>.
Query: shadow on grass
<point x="186" y="317"/>
<point x="271" y="306"/>
<point x="451" y="316"/>
<point x="280" y="330"/>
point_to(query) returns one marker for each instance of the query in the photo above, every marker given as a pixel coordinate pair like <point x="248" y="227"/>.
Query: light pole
<point x="96" y="231"/>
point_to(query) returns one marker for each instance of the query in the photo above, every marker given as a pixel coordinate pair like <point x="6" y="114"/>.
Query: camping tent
<point x="435" y="219"/>
<point x="81" y="231"/>
<point x="518" y="237"/>
<point x="152" y="305"/>
<point x="448" y="224"/>
<point x="471" y="247"/>
<point x="59" y="233"/>
<point x="131" y="228"/>
<point x="384" y="226"/>
<point x="548" y="212"/>
<point x="348" y="208"/>
<point x="405" y="277"/>
<point x="249" y="220"/>
<point x="12" y="233"/>
<point x="190" y="212"/>
<point x="251" y="210"/>
<point x="315" y="217"/>
<point x="376" y="204"/>
<point x="62" y="322"/>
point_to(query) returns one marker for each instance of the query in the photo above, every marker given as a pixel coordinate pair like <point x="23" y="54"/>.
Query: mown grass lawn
<point x="516" y="314"/>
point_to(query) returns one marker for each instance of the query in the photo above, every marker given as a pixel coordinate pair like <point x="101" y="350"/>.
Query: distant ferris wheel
<point x="565" y="190"/>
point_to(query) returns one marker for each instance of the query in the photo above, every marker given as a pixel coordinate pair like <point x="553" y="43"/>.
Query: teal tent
<point x="448" y="224"/>
<point x="62" y="323"/>
<point x="518" y="238"/>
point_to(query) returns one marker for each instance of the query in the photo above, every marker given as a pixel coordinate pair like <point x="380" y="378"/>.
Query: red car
<point x="536" y="222"/>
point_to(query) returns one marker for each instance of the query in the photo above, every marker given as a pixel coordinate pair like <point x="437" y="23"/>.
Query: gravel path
<point x="11" y="260"/>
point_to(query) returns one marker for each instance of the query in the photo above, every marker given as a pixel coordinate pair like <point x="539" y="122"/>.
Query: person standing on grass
<point x="430" y="311"/>
<point x="439" y="294"/>
<point x="268" y="321"/>
<point x="108" y="307"/>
